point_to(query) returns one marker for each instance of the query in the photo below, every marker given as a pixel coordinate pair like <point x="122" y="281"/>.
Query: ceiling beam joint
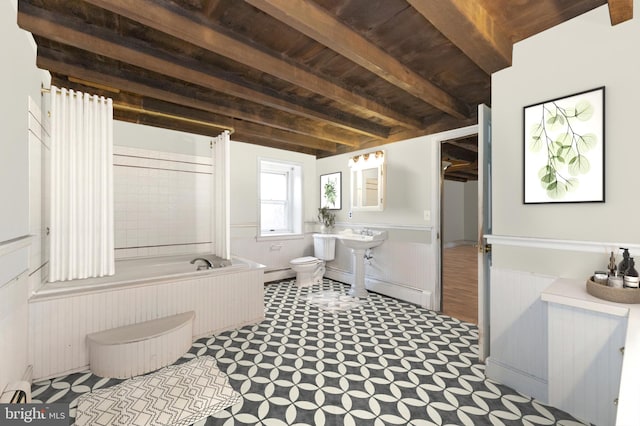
<point x="470" y="27"/>
<point x="620" y="11"/>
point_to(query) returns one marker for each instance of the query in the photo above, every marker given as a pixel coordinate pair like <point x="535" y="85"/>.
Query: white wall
<point x="22" y="79"/>
<point x="581" y="54"/>
<point x="157" y="139"/>
<point x="460" y="211"/>
<point x="471" y="210"/>
<point x="408" y="180"/>
<point x="406" y="260"/>
<point x="578" y="55"/>
<point x="274" y="253"/>
<point x="453" y="211"/>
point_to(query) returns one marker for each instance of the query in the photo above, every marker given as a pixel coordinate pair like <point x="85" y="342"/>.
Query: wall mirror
<point x="367" y="181"/>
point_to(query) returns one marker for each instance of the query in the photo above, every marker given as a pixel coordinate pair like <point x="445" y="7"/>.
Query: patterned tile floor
<point x="385" y="362"/>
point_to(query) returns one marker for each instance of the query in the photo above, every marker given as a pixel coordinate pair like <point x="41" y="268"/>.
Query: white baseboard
<point x="278" y="274"/>
<point x="458" y="243"/>
<point x="525" y="383"/>
<point x="339" y="275"/>
<point x="421" y="297"/>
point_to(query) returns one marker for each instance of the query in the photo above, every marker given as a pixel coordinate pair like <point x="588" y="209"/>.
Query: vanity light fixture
<point x="366" y="161"/>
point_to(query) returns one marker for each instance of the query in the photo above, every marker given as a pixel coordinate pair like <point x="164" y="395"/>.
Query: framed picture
<point x="331" y="191"/>
<point x="564" y="149"/>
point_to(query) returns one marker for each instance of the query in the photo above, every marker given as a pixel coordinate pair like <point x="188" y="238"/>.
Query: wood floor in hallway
<point x="460" y="283"/>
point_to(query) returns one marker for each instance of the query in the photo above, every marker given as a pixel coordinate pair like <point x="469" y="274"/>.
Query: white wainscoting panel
<point x="518" y="337"/>
<point x="275" y="254"/>
<point x="398" y="268"/>
<point x="14" y="319"/>
<point x="401" y="262"/>
<point x="404" y="262"/>
<point x="59" y="326"/>
<point x="585" y="362"/>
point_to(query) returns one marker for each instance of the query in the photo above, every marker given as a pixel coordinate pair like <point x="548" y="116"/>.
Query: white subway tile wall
<point x="162" y="203"/>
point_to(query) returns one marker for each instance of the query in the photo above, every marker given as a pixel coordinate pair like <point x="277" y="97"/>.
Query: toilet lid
<point x="303" y="260"/>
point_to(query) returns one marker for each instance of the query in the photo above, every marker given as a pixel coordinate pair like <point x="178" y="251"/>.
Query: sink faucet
<point x="366" y="231"/>
<point x="207" y="263"/>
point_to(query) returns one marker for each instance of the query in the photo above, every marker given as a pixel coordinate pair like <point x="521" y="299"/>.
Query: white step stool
<point x="136" y="349"/>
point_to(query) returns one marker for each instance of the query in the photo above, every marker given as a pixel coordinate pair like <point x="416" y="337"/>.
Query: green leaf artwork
<point x="330" y="193"/>
<point x="564" y="146"/>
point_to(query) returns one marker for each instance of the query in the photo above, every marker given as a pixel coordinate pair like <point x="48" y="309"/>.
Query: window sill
<point x="279" y="237"/>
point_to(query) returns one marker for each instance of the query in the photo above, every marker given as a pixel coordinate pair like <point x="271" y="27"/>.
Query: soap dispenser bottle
<point x="612" y="265"/>
<point x="631" y="275"/>
<point x="624" y="264"/>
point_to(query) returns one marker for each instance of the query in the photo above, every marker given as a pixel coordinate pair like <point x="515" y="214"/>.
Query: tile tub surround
<point x="388" y="362"/>
<point x="162" y="202"/>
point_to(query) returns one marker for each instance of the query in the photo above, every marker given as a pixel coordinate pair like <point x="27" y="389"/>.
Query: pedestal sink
<point x="359" y="242"/>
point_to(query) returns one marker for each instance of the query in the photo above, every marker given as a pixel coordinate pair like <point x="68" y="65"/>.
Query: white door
<point x="484" y="227"/>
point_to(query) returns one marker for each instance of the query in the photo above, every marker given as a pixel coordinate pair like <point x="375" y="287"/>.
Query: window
<point x="280" y="198"/>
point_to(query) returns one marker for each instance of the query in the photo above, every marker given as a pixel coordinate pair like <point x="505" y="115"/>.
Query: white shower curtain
<point x="81" y="240"/>
<point x="221" y="201"/>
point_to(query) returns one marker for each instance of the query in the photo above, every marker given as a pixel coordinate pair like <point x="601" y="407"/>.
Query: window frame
<point x="293" y="202"/>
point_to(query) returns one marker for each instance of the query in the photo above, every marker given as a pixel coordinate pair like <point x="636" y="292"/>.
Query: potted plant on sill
<point x="327" y="218"/>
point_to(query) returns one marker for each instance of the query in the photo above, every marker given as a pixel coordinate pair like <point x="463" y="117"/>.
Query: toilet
<point x="310" y="269"/>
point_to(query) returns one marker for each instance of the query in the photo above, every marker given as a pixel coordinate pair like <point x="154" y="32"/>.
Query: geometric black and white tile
<point x="385" y="362"/>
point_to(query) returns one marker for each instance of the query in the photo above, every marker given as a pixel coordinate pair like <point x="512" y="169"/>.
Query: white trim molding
<point x="384" y="225"/>
<point x="526" y="384"/>
<point x="418" y="296"/>
<point x="14" y="244"/>
<point x="549" y="243"/>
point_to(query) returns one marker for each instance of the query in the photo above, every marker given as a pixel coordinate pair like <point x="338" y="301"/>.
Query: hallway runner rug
<point x="176" y="395"/>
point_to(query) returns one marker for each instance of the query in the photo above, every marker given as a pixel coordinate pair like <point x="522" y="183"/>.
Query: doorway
<point x="459" y="228"/>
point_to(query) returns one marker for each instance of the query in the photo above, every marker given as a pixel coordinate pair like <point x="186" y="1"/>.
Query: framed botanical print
<point x="564" y="149"/>
<point x="331" y="191"/>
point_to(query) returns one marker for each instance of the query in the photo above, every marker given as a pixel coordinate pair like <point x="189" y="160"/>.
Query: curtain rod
<point x="125" y="107"/>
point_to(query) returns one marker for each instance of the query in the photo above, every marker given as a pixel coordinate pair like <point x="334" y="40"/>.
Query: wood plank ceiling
<point x="315" y="76"/>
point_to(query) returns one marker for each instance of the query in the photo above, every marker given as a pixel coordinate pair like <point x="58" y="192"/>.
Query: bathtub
<point x="140" y="272"/>
<point x="62" y="314"/>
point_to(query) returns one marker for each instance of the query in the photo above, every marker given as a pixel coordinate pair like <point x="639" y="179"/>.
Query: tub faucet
<point x="207" y="265"/>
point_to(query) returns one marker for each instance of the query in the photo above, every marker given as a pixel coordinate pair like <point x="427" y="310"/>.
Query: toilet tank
<point x="324" y="246"/>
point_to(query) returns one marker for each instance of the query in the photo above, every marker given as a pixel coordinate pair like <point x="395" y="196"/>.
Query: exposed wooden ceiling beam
<point x="72" y="32"/>
<point x="262" y="141"/>
<point x="292" y="140"/>
<point x="620" y="11"/>
<point x="440" y="125"/>
<point x="458" y="177"/>
<point x="316" y="23"/>
<point x="463" y="145"/>
<point x="167" y="17"/>
<point x="151" y="120"/>
<point x="155" y="121"/>
<point x="278" y="135"/>
<point x="222" y="107"/>
<point x="462" y="167"/>
<point x="220" y="125"/>
<point x="471" y="28"/>
<point x="165" y="112"/>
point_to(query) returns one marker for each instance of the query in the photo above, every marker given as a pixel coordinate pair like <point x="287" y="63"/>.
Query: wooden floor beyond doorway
<point x="460" y="282"/>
